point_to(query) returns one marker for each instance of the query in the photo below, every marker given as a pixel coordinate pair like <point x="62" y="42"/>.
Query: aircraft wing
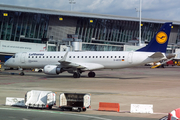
<point x="84" y="66"/>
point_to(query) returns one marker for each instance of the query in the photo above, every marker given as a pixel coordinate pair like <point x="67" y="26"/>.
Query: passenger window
<point x="119" y="56"/>
<point x="32" y="56"/>
<point x="111" y="56"/>
<point x="85" y="56"/>
<point x="123" y="56"/>
<point x="96" y="56"/>
<point x="28" y="56"/>
<point x="36" y="56"/>
<point x="50" y="56"/>
<point x="115" y="56"/>
<point x="57" y="56"/>
<point x="39" y="56"/>
<point x="46" y="56"/>
<point x="103" y="56"/>
<point x="93" y="56"/>
<point x="74" y="57"/>
<point x="77" y="56"/>
<point x="99" y="56"/>
<point x="82" y="57"/>
<point x="13" y="56"/>
<point x="54" y="56"/>
<point x="69" y="56"/>
<point x="43" y="56"/>
<point x="107" y="56"/>
<point x="89" y="56"/>
<point x="61" y="56"/>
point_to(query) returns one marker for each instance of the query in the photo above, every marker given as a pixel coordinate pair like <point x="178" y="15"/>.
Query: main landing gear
<point x="91" y="74"/>
<point x="77" y="74"/>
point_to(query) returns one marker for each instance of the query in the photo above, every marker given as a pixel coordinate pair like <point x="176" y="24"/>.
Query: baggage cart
<point x="74" y="101"/>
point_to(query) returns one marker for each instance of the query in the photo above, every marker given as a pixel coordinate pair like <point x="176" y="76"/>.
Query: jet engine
<point x="52" y="69"/>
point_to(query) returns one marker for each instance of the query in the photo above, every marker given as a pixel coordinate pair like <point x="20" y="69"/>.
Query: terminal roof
<point x="79" y="14"/>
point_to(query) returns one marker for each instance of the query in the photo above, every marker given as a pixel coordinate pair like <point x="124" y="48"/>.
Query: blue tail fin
<point x="160" y="41"/>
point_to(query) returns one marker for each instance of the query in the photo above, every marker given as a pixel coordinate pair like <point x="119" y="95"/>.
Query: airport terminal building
<point x="33" y="29"/>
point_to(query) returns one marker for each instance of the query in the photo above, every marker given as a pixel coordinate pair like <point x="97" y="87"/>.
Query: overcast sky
<point x="155" y="9"/>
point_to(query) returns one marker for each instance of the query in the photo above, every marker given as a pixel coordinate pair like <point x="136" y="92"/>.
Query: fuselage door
<point x="130" y="57"/>
<point x="23" y="57"/>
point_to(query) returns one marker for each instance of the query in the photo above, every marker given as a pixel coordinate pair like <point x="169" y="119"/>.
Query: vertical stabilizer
<point x="160" y="40"/>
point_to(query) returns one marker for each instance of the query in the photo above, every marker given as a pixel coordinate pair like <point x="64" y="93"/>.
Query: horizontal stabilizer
<point x="157" y="55"/>
<point x="171" y="55"/>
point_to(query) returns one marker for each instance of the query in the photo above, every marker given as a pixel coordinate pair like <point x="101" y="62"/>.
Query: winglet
<point x="64" y="58"/>
<point x="160" y="40"/>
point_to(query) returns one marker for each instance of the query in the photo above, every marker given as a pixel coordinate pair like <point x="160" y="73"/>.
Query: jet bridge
<point x="71" y="43"/>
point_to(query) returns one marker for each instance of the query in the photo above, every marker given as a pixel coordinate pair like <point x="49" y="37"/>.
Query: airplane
<point x="76" y="62"/>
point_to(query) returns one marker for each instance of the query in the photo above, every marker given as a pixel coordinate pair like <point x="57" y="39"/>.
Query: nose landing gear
<point x="21" y="73"/>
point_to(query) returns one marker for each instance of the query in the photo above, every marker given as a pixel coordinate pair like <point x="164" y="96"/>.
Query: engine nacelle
<point x="52" y="69"/>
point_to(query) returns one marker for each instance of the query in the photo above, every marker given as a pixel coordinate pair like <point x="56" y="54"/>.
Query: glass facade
<point x="97" y="34"/>
<point x="113" y="31"/>
<point x="21" y="26"/>
<point x="101" y="47"/>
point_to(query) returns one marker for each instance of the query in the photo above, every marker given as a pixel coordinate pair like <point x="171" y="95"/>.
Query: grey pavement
<point x="140" y="85"/>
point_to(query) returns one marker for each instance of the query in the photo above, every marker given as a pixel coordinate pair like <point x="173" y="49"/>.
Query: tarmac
<point x="139" y="85"/>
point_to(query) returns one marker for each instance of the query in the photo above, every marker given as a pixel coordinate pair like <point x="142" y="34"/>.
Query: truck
<point x="74" y="101"/>
<point x="171" y="62"/>
<point x="40" y="99"/>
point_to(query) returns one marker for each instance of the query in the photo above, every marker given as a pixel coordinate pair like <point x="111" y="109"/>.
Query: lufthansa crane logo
<point x="161" y="37"/>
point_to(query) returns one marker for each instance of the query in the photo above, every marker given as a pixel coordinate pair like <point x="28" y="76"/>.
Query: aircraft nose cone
<point x="6" y="63"/>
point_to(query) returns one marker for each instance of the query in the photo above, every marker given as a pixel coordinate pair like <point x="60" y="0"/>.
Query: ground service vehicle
<point x="40" y="99"/>
<point x="74" y="101"/>
<point x="171" y="62"/>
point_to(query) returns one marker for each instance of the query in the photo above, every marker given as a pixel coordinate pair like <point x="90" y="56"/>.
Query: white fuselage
<point x="108" y="59"/>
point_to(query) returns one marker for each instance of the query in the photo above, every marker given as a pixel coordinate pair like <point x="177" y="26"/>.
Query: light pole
<point x="139" y="22"/>
<point x="72" y="2"/>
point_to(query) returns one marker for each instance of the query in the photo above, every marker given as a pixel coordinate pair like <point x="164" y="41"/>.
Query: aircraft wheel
<point x="84" y="109"/>
<point x="22" y="73"/>
<point x="91" y="74"/>
<point x="40" y="70"/>
<point x="79" y="110"/>
<point x="79" y="75"/>
<point x="50" y="107"/>
<point x="76" y="75"/>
